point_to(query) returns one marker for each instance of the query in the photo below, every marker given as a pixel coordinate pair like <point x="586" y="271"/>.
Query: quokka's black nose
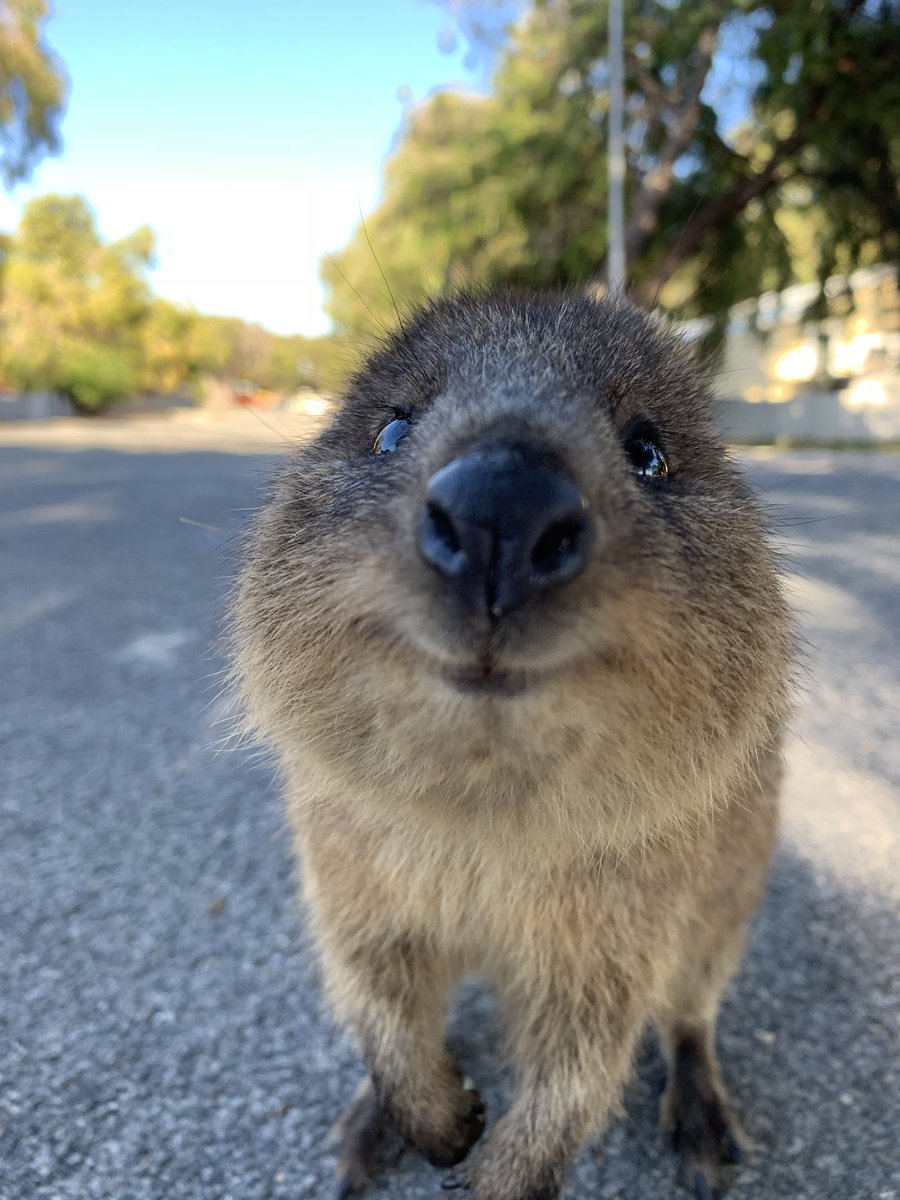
<point x="501" y="524"/>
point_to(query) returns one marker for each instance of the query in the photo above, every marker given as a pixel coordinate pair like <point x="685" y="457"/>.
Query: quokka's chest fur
<point x="497" y="899"/>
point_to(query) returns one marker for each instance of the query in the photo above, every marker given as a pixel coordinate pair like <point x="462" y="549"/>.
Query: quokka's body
<point x="512" y="626"/>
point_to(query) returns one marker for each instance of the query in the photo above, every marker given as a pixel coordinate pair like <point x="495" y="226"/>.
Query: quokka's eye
<point x="391" y="436"/>
<point x="645" y="454"/>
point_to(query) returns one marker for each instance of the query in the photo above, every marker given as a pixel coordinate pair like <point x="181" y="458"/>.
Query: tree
<point x="740" y="114"/>
<point x="230" y="349"/>
<point x="74" y="307"/>
<point x="447" y="215"/>
<point x="33" y="89"/>
<point x="78" y="316"/>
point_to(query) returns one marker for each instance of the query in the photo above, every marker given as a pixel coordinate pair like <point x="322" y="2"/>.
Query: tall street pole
<point x="616" y="253"/>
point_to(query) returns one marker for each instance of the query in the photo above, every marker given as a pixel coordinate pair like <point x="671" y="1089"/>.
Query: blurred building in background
<point x="811" y="364"/>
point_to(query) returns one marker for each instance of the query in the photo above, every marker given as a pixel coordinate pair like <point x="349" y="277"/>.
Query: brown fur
<point x="594" y="844"/>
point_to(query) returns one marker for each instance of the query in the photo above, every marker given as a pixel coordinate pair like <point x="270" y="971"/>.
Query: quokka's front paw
<point x="504" y="1176"/>
<point x="434" y="1110"/>
<point x="446" y="1138"/>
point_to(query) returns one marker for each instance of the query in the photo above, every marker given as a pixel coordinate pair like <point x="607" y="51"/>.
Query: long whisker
<point x="362" y="221"/>
<point x="381" y="325"/>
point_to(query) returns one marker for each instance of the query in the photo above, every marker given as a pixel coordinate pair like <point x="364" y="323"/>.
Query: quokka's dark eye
<point x="645" y="454"/>
<point x="391" y="436"/>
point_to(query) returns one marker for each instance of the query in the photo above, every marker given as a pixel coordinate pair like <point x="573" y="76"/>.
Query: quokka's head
<point x="519" y="539"/>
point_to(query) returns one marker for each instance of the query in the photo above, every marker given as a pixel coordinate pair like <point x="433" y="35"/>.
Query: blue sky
<point x="248" y="135"/>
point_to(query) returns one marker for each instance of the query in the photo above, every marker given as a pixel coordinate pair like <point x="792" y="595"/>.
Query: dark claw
<point x="702" y="1190"/>
<point x="456" y="1182"/>
<point x="732" y="1154"/>
<point x="346" y="1187"/>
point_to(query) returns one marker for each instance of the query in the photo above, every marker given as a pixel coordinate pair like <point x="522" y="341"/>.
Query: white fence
<point x="848" y="414"/>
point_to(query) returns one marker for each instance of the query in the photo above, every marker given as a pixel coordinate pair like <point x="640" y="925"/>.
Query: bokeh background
<point x="210" y="212"/>
<point x="203" y="198"/>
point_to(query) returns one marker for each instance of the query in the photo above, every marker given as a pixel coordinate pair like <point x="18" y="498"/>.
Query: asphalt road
<point x="160" y="1029"/>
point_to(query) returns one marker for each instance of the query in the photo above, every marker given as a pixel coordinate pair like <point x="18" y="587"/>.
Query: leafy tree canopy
<point x="78" y="316"/>
<point x="763" y="146"/>
<point x="73" y="305"/>
<point x="33" y="89"/>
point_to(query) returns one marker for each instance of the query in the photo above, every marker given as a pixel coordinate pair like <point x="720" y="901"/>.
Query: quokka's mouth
<point x="485" y="678"/>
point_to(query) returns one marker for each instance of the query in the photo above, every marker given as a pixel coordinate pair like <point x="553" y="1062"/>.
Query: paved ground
<point x="160" y="1035"/>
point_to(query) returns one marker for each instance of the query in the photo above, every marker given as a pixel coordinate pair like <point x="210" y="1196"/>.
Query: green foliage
<point x="32" y="88"/>
<point x="763" y="145"/>
<point x="438" y="200"/>
<point x="93" y="376"/>
<point x="73" y="306"/>
<point x="231" y="349"/>
<point x="77" y="316"/>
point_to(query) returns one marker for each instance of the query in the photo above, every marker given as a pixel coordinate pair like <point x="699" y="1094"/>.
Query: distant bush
<point x="93" y="377"/>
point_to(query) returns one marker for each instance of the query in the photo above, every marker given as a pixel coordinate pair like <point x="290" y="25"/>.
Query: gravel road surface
<point x="161" y="1036"/>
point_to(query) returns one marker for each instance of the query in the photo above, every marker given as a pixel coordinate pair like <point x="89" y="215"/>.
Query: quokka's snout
<point x="513" y="626"/>
<point x="501" y="523"/>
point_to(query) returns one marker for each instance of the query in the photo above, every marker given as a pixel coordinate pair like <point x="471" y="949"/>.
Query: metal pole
<point x="616" y="253"/>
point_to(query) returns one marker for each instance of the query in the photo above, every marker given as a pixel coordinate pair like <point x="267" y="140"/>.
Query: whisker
<point x="362" y="220"/>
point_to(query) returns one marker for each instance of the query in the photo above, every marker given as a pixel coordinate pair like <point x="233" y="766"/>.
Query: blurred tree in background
<point x="763" y="148"/>
<point x="78" y="317"/>
<point x="73" y="306"/>
<point x="32" y="88"/>
<point x="77" y="314"/>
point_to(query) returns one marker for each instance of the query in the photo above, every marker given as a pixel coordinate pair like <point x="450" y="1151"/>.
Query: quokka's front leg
<point x="390" y="985"/>
<point x="574" y="1046"/>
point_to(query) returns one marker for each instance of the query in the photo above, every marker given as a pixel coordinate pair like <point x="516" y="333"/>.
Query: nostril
<point x="439" y="540"/>
<point x="441" y="528"/>
<point x="560" y="549"/>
